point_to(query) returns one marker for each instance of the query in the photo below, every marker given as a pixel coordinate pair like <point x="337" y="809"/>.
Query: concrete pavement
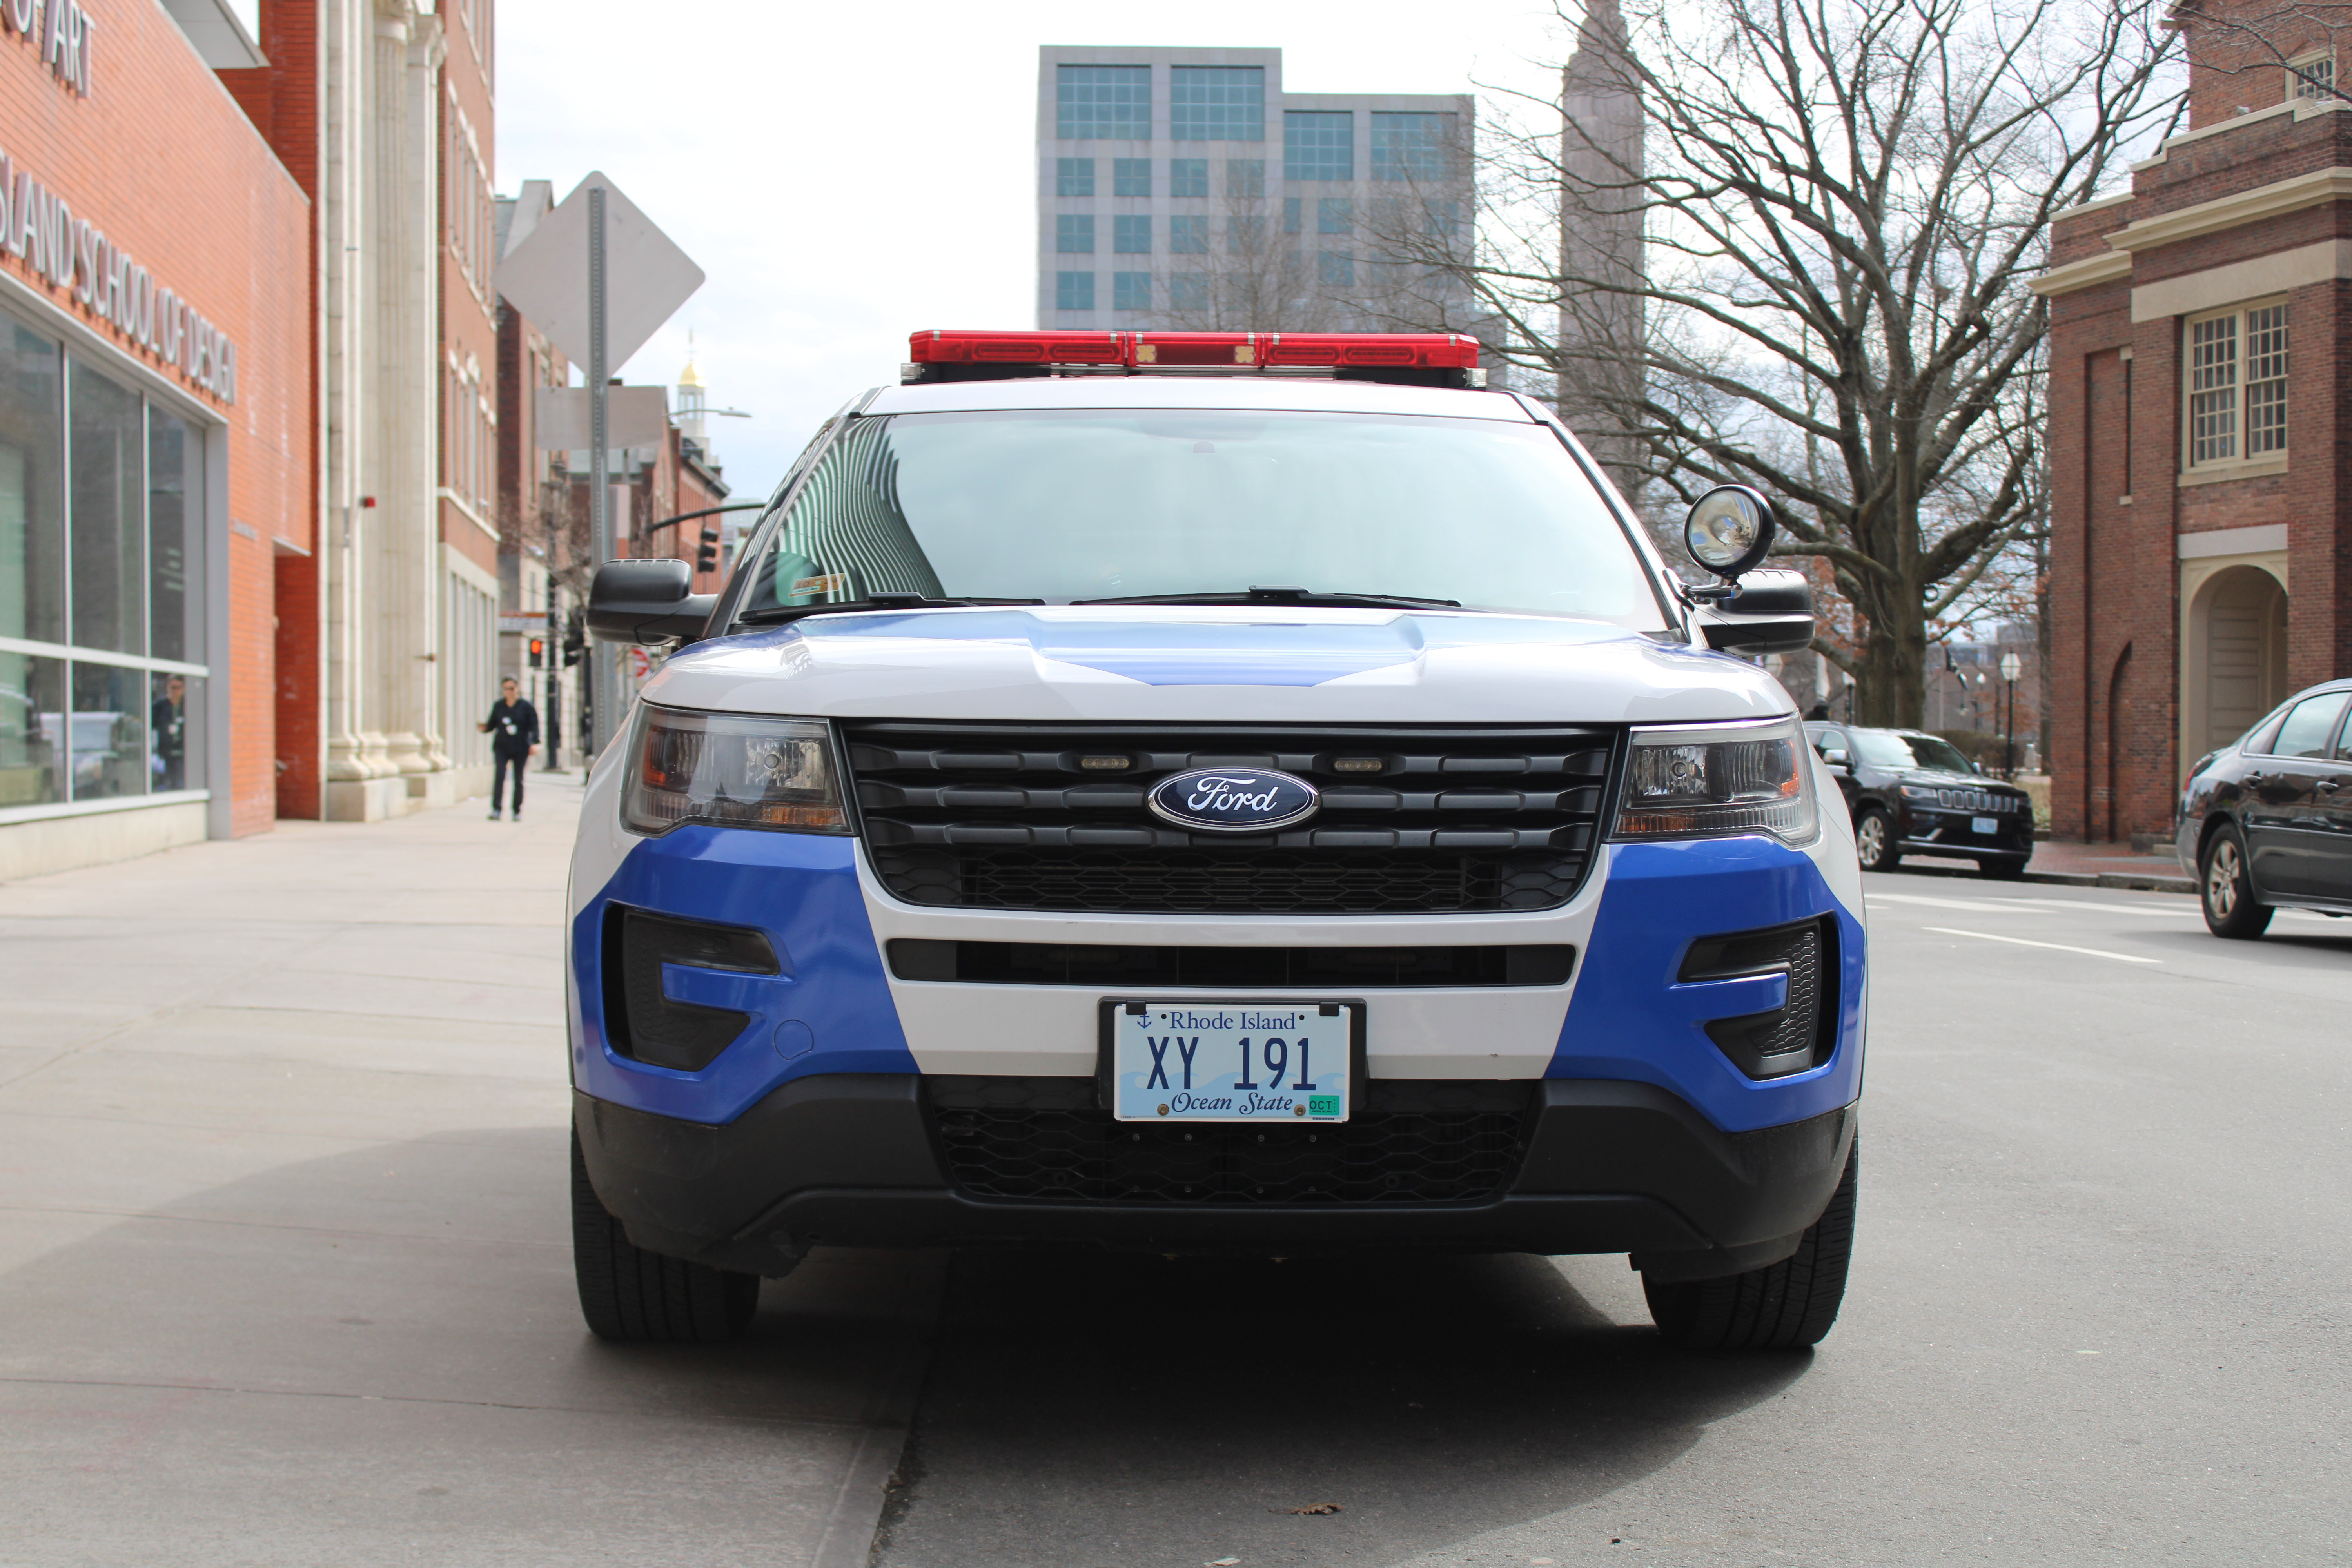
<point x="284" y="1254"/>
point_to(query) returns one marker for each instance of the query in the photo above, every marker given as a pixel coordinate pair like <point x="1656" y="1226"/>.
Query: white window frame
<point x="2299" y="90"/>
<point x="2247" y="332"/>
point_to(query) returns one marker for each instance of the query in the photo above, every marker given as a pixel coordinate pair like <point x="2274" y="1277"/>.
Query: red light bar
<point x="1251" y="351"/>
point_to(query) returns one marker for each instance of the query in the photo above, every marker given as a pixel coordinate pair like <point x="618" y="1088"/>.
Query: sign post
<point x="603" y="699"/>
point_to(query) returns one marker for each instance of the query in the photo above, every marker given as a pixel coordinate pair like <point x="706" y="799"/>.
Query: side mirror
<point x="646" y="602"/>
<point x="1769" y="612"/>
<point x="1838" y="757"/>
<point x="1729" y="530"/>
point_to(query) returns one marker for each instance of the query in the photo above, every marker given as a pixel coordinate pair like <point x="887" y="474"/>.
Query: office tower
<point x="1185" y="189"/>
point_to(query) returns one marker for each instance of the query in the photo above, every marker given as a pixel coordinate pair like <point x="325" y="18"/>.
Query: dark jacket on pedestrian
<point x="514" y="727"/>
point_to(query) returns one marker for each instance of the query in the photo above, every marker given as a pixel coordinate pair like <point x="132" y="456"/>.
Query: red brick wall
<point x="2237" y="48"/>
<point x="281" y="99"/>
<point x="162" y="158"/>
<point x="2115" y="430"/>
<point x="468" y="304"/>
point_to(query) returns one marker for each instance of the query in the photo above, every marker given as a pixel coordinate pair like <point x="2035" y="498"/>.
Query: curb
<point x="2124" y="882"/>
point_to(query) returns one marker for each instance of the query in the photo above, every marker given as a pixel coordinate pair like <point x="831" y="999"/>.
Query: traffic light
<point x="575" y="639"/>
<point x="538" y="653"/>
<point x="707" y="558"/>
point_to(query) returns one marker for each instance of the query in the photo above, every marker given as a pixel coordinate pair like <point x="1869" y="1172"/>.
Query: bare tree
<point x="1843" y="202"/>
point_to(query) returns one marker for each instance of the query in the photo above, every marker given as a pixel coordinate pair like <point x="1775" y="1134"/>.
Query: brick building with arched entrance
<point x="2202" y="549"/>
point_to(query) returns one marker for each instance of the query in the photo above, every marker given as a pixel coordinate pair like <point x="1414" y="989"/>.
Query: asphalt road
<point x="2098" y="1313"/>
<point x="283" y="1280"/>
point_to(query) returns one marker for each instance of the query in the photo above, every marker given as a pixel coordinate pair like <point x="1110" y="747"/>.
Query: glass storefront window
<point x="103" y="536"/>
<point x="32" y="731"/>
<point x="175" y="538"/>
<point x="32" y="534"/>
<point x="175" y="732"/>
<point x="109" y="732"/>
<point x="107" y="447"/>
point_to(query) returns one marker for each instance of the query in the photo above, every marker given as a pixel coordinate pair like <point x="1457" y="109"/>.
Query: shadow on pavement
<point x="377" y="1355"/>
<point x="1086" y="1408"/>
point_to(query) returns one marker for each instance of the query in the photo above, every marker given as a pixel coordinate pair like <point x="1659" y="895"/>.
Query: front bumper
<point x="854" y="1160"/>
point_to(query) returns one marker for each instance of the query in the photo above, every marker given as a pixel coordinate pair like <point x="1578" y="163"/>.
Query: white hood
<point x="1210" y="663"/>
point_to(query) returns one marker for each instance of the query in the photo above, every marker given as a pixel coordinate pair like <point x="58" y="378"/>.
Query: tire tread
<point x="636" y="1297"/>
<point x="1786" y="1305"/>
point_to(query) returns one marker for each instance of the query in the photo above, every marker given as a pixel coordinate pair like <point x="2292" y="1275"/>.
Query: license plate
<point x="1988" y="826"/>
<point x="1231" y="1061"/>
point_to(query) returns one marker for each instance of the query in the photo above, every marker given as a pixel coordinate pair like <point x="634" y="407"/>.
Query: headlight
<point x="1709" y="781"/>
<point x="733" y="770"/>
<point x="1920" y="792"/>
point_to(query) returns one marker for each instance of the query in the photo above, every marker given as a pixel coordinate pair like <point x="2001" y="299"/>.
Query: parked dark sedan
<point x="1913" y="792"/>
<point x="2266" y="823"/>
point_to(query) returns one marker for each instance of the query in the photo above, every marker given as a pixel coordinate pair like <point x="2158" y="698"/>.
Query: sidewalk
<point x="284" y="1237"/>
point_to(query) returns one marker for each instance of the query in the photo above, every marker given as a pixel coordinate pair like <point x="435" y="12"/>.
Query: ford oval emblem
<point x="1233" y="800"/>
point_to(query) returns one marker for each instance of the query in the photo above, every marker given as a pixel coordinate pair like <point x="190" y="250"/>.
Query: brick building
<point x="156" y="459"/>
<point x="2201" y="325"/>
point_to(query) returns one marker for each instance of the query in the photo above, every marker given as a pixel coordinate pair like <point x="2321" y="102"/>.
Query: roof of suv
<point x="1310" y="394"/>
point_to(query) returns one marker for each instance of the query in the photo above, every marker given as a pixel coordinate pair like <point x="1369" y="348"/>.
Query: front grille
<point x="1128" y="967"/>
<point x="1019" y="816"/>
<point x="1799" y="1034"/>
<point x="1983" y="801"/>
<point x="1047" y="1139"/>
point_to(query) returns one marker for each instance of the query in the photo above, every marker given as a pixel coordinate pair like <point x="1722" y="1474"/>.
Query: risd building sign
<point x="38" y="228"/>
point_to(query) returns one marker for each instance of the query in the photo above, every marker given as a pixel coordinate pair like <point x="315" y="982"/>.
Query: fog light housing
<point x="641" y="1022"/>
<point x="1802" y="1033"/>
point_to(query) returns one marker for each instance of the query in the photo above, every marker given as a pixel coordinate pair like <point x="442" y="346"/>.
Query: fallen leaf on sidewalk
<point x="1319" y="1507"/>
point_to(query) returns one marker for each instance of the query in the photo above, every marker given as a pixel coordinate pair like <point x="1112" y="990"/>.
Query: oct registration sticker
<point x="1231" y="1061"/>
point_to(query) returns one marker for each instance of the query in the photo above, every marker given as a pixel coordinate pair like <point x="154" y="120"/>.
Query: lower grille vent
<point x="1047" y="1139"/>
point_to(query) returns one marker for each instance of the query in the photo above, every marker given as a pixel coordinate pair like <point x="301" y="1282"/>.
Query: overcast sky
<point x="848" y="175"/>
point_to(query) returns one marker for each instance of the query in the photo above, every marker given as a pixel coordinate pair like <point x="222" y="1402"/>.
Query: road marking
<point x="2000" y="909"/>
<point x="2187" y="909"/>
<point x="2059" y="946"/>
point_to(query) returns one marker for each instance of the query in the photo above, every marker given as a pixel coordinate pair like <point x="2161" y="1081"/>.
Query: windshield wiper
<point x="776" y="614"/>
<point x="1282" y="596"/>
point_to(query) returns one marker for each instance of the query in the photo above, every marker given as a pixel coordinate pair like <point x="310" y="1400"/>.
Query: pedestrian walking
<point x="513" y="729"/>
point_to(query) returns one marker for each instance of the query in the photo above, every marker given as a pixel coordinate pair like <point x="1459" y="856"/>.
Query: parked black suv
<point x="2267" y="823"/>
<point x="1913" y="792"/>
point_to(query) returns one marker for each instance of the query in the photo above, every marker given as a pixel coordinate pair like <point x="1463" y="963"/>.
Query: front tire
<point x="1783" y="1306"/>
<point x="2226" y="893"/>
<point x="637" y="1297"/>
<point x="1873" y="840"/>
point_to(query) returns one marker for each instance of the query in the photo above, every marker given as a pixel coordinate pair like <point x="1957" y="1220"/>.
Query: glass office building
<point x="1187" y="188"/>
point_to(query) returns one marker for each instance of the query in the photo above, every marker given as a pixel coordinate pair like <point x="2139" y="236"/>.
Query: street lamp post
<point x="2010" y="667"/>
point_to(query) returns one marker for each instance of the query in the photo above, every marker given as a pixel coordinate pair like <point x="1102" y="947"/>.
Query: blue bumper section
<point x="1631" y="1018"/>
<point x="829" y="1012"/>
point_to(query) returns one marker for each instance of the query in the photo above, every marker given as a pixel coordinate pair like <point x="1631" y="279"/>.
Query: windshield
<point x="1097" y="504"/>
<point x="1890" y="749"/>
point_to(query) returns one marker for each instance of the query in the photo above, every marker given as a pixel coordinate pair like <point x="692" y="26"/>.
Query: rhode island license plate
<point x="1231" y="1061"/>
<point x="1985" y="825"/>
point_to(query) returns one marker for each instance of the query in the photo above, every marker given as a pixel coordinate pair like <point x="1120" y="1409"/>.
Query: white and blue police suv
<point x="1214" y="793"/>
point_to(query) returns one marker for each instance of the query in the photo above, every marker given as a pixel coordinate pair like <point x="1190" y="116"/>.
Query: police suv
<point x="1239" y="792"/>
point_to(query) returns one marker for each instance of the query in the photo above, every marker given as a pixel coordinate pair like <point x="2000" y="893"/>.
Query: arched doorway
<point x="2237" y="656"/>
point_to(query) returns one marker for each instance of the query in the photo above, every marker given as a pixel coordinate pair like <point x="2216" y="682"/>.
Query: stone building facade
<point x="2202" y="556"/>
<point x="382" y="109"/>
